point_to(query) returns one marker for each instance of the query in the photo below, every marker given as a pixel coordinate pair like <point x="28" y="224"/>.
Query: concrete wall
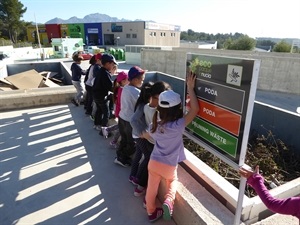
<point x="283" y="124"/>
<point x="278" y="72"/>
<point x="37" y="97"/>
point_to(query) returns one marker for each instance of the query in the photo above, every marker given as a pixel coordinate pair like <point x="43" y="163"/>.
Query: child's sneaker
<point x="104" y="132"/>
<point x="98" y="127"/>
<point x="139" y="191"/>
<point x="155" y="215"/>
<point x="74" y="102"/>
<point x="168" y="209"/>
<point x="121" y="162"/>
<point x="114" y="144"/>
<point x="133" y="180"/>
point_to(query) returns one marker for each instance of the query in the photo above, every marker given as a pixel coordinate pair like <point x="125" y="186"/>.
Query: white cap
<point x="168" y="99"/>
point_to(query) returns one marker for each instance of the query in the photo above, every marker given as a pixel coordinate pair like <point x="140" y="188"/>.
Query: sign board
<point x="225" y="88"/>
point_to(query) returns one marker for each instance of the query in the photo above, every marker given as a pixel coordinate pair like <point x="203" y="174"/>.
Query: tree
<point x="10" y="13"/>
<point x="282" y="46"/>
<point x="242" y="43"/>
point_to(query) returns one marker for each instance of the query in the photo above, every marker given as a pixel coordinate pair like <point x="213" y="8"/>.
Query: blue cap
<point x="135" y="72"/>
<point x="108" y="58"/>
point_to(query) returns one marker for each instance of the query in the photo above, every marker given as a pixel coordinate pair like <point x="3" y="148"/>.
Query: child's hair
<point x="93" y="60"/>
<point x="145" y="94"/>
<point x="76" y="56"/>
<point x="166" y="115"/>
<point x="158" y="87"/>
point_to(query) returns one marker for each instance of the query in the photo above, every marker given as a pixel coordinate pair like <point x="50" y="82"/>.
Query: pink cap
<point x="98" y="56"/>
<point x="122" y="76"/>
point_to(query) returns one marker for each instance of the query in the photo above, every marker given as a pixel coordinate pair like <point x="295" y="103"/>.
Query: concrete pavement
<point x="56" y="169"/>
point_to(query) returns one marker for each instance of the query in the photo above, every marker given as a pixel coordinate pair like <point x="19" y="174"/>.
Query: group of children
<point x="150" y="122"/>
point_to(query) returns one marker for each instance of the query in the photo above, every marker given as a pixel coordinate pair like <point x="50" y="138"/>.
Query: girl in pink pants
<point x="167" y="129"/>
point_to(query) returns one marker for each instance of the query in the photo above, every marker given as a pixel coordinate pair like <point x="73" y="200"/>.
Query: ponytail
<point x="154" y="122"/>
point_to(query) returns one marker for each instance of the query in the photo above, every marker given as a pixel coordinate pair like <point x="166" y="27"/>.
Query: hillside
<point x="91" y="18"/>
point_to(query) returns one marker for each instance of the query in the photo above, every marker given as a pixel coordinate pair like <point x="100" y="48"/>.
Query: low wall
<point x="20" y="99"/>
<point x="278" y="72"/>
<point x="283" y="124"/>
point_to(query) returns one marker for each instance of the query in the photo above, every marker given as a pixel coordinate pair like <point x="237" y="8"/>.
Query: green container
<point x="120" y="54"/>
<point x="112" y="51"/>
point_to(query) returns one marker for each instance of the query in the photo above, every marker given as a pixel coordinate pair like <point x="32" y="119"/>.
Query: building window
<point x="127" y="35"/>
<point x="151" y="34"/>
<point x="134" y="35"/>
<point x="161" y="34"/>
<point x="154" y="34"/>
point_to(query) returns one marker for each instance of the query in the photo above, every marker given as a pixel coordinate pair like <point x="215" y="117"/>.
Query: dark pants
<point x="143" y="168"/>
<point x="89" y="99"/>
<point x="139" y="144"/>
<point x="103" y="108"/>
<point x="127" y="145"/>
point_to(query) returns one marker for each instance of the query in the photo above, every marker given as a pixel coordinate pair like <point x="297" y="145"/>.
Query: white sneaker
<point x="98" y="127"/>
<point x="104" y="132"/>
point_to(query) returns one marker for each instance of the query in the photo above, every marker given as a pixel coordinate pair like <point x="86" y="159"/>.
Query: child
<point x="129" y="97"/>
<point x="102" y="88"/>
<point x="168" y="149"/>
<point x="96" y="113"/>
<point x="288" y="206"/>
<point x="141" y="179"/>
<point x="89" y="79"/>
<point x="111" y="96"/>
<point x="119" y="83"/>
<point x="139" y="125"/>
<point x="76" y="77"/>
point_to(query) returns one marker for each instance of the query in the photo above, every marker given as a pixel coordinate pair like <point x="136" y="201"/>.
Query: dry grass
<point x="278" y="163"/>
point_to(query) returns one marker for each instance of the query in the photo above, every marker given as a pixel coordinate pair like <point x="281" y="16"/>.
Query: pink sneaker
<point x="114" y="144"/>
<point x="155" y="215"/>
<point x="168" y="209"/>
<point x="139" y="191"/>
<point x="133" y="180"/>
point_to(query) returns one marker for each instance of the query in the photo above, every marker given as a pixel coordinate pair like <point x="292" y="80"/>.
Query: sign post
<point x="225" y="88"/>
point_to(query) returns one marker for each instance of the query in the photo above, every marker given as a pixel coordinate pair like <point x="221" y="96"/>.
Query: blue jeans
<point x="79" y="89"/>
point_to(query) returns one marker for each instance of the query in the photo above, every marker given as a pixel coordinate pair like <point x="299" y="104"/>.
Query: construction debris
<point x="28" y="80"/>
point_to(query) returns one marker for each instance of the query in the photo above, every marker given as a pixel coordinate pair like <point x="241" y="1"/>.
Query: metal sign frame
<point x="225" y="88"/>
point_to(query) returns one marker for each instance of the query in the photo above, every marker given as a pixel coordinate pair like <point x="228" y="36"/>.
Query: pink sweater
<point x="288" y="206"/>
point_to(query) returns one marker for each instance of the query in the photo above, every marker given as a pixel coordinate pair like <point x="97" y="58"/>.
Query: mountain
<point x="91" y="18"/>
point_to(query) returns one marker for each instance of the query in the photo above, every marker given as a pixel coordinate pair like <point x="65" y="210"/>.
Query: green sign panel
<point x="76" y="30"/>
<point x="220" y="139"/>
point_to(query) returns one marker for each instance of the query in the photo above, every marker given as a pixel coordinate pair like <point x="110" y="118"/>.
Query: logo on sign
<point x="201" y="67"/>
<point x="234" y="75"/>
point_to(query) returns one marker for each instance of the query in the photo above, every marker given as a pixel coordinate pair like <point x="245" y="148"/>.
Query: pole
<point x="38" y="36"/>
<point x="239" y="206"/>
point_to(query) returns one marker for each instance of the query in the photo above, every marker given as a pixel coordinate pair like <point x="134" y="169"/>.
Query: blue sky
<point x="256" y="18"/>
